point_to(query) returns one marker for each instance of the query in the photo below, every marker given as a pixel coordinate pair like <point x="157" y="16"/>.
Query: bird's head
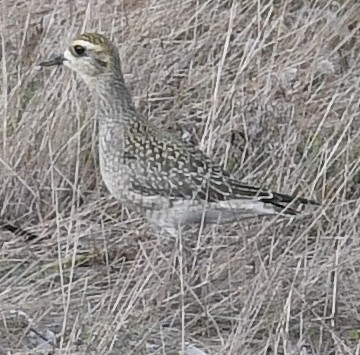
<point x="91" y="55"/>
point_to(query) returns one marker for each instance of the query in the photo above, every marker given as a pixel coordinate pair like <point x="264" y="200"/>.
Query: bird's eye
<point x="79" y="50"/>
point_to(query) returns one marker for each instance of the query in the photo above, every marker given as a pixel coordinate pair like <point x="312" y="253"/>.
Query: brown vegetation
<point x="270" y="89"/>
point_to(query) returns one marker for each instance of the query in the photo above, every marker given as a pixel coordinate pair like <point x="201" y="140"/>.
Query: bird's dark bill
<point x="56" y="61"/>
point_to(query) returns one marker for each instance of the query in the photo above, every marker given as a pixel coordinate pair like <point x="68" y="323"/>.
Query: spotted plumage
<point x="170" y="181"/>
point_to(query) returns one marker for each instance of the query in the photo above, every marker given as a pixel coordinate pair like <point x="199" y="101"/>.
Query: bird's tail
<point x="268" y="201"/>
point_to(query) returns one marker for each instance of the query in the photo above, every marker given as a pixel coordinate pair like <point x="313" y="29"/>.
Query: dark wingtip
<point x="284" y="203"/>
<point x="56" y="61"/>
<point x="294" y="198"/>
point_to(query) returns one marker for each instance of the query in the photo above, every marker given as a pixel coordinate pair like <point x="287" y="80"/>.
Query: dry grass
<point x="271" y="90"/>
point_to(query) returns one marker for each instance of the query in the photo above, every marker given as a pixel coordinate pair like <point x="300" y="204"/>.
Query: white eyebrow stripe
<point x="85" y="44"/>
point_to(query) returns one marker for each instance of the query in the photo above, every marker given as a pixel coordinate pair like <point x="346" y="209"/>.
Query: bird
<point x="171" y="182"/>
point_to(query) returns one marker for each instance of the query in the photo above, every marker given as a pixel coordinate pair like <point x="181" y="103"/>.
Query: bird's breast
<point x="111" y="157"/>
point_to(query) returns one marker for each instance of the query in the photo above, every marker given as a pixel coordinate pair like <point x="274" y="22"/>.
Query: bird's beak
<point x="56" y="61"/>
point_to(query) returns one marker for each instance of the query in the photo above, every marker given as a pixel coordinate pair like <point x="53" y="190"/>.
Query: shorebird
<point x="171" y="182"/>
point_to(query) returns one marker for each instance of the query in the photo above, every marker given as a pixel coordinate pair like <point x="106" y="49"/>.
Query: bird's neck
<point x="114" y="103"/>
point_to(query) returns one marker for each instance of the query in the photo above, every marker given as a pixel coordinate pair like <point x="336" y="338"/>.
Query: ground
<point x="269" y="89"/>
